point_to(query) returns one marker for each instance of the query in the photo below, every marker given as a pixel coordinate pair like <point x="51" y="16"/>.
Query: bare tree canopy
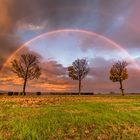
<point x="118" y="73"/>
<point x="78" y="70"/>
<point x="26" y="68"/>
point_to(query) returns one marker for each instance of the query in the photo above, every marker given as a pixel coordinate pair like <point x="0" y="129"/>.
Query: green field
<point x="70" y="118"/>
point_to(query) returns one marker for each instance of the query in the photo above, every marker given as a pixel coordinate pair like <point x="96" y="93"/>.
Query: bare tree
<point x="118" y="73"/>
<point x="26" y="68"/>
<point x="78" y="71"/>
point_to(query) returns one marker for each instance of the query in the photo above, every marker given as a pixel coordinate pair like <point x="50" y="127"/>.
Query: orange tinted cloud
<point x="5" y="18"/>
<point x="55" y="78"/>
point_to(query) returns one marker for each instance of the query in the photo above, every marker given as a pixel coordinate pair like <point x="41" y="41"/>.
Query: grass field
<point x="70" y="118"/>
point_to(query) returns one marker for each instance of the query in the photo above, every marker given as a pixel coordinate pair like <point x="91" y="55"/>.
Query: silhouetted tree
<point x="78" y="71"/>
<point x="26" y="68"/>
<point x="118" y="73"/>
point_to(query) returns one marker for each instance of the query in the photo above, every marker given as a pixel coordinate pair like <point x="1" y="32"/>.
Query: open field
<point x="70" y="118"/>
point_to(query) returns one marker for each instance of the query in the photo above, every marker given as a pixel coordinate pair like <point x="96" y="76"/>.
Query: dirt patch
<point x="38" y="101"/>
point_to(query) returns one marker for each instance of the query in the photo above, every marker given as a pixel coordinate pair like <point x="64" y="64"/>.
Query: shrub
<point x="38" y="93"/>
<point x="1" y="93"/>
<point x="10" y="93"/>
<point x="15" y="93"/>
<point x="112" y="92"/>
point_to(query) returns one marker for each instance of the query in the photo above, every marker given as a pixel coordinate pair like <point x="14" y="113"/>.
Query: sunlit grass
<point x="70" y="117"/>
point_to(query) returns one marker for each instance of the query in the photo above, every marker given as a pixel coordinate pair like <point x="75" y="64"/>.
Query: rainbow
<point x="78" y="31"/>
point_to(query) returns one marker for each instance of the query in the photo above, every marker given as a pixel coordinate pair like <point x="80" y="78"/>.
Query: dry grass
<point x="31" y="101"/>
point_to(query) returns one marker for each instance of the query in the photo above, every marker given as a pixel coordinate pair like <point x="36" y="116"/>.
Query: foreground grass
<point x="70" y="118"/>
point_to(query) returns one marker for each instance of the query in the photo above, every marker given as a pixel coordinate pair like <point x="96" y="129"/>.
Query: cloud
<point x="55" y="75"/>
<point x="45" y="15"/>
<point x="55" y="78"/>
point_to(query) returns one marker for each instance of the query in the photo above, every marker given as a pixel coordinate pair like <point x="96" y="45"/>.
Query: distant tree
<point x="78" y="71"/>
<point x="118" y="73"/>
<point x="26" y="68"/>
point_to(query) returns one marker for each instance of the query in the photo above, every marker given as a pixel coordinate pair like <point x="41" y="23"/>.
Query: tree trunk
<point x="25" y="82"/>
<point x="79" y="86"/>
<point x="121" y="88"/>
<point x="24" y="86"/>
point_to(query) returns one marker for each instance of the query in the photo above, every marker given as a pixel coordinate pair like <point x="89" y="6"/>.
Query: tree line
<point x="27" y="67"/>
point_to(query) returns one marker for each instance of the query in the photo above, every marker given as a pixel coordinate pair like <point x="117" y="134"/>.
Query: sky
<point x="90" y="29"/>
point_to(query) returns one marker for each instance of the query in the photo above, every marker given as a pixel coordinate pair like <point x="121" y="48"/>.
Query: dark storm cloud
<point x="18" y="13"/>
<point x="105" y="17"/>
<point x="54" y="73"/>
<point x="53" y="68"/>
<point x="116" y="19"/>
<point x="8" y="44"/>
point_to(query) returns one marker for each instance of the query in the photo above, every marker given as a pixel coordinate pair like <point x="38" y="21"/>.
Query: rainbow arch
<point x="78" y="31"/>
